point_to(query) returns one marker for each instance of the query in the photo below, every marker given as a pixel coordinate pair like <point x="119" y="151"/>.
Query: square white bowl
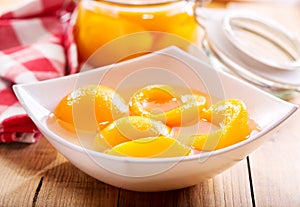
<point x="169" y="66"/>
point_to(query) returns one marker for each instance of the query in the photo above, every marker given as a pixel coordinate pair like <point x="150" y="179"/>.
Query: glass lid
<point x="263" y="41"/>
<point x="253" y="48"/>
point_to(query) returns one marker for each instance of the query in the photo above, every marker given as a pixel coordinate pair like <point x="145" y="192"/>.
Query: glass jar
<point x="140" y="26"/>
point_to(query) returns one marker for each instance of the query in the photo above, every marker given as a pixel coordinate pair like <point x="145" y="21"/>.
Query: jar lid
<point x="254" y="48"/>
<point x="236" y="26"/>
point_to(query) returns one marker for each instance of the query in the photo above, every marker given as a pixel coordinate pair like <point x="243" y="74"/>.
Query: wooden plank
<point x="230" y="188"/>
<point x="65" y="185"/>
<point x="36" y="175"/>
<point x="275" y="168"/>
<point x="20" y="168"/>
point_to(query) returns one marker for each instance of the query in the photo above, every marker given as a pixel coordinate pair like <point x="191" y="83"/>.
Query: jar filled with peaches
<point x="107" y="31"/>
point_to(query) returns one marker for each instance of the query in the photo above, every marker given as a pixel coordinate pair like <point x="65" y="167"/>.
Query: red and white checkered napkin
<point x="34" y="46"/>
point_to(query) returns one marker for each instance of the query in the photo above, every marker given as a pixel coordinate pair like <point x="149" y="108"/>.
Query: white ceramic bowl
<point x="169" y="66"/>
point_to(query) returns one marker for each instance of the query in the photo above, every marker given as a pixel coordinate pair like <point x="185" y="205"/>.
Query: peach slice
<point x="232" y="118"/>
<point x="161" y="102"/>
<point x="131" y="128"/>
<point x="151" y="147"/>
<point x="90" y="107"/>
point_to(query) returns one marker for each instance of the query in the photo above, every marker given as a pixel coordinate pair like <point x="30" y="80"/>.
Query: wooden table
<point x="36" y="175"/>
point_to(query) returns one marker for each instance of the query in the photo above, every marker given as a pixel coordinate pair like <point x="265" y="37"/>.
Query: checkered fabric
<point x="34" y="46"/>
